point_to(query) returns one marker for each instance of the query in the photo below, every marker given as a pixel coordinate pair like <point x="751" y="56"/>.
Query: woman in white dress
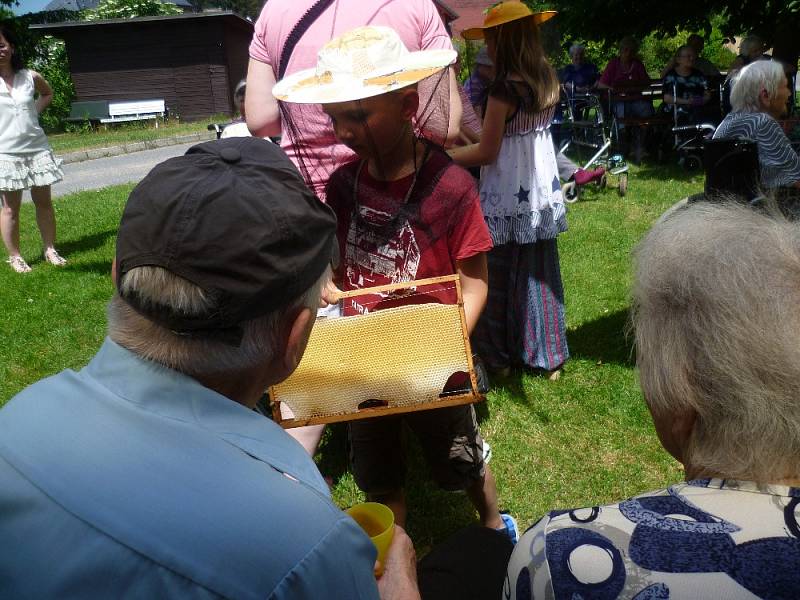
<point x="26" y="159"/>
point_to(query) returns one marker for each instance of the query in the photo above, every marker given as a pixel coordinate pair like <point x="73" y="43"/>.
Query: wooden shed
<point x="192" y="61"/>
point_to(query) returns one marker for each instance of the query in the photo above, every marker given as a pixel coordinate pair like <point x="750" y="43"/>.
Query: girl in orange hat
<point x="523" y="323"/>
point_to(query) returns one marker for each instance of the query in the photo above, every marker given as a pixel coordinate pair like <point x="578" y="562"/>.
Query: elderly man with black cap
<point x="147" y="474"/>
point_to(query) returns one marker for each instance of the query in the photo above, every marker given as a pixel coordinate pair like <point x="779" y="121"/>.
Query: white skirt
<point x="24" y="171"/>
<point x="520" y="192"/>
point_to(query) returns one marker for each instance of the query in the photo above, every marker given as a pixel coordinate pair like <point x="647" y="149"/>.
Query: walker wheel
<point x="692" y="162"/>
<point x="571" y="192"/>
<point x="623" y="184"/>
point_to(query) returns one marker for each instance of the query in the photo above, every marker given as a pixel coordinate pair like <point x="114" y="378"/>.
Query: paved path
<point x="113" y="170"/>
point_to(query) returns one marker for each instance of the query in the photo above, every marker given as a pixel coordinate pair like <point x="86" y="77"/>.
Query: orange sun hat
<point x="504" y="13"/>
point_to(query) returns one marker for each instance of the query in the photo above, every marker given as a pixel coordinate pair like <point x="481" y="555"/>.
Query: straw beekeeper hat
<point x="361" y="63"/>
<point x="506" y="12"/>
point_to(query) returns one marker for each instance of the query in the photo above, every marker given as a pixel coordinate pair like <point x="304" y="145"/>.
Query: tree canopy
<point x="615" y="18"/>
<point x="127" y="9"/>
<point x="776" y="21"/>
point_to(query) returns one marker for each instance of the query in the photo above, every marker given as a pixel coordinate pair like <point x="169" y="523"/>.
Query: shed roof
<point x="55" y="28"/>
<point x="445" y="10"/>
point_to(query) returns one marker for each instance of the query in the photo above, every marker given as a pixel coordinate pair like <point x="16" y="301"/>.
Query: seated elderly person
<point x="238" y="127"/>
<point x="685" y="88"/>
<point x="751" y="49"/>
<point x="579" y="75"/>
<point x="719" y="365"/>
<point x="147" y="474"/>
<point x="625" y="76"/>
<point x="705" y="66"/>
<point x="758" y="98"/>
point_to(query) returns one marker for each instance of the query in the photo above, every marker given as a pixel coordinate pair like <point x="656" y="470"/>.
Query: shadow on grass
<point x="89" y="242"/>
<point x="667" y="170"/>
<point x="433" y="513"/>
<point x="332" y="456"/>
<point x="603" y="340"/>
<point x="100" y="267"/>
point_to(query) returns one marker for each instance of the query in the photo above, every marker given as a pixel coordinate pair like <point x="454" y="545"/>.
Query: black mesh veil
<point x="334" y="171"/>
<point x="312" y="144"/>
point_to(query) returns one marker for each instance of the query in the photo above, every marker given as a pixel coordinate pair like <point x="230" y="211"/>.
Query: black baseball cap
<point x="235" y="218"/>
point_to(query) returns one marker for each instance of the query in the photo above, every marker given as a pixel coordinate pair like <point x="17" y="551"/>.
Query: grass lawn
<point x="122" y="133"/>
<point x="583" y="440"/>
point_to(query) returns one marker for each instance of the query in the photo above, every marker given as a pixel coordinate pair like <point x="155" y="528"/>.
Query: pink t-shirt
<point x="417" y="22"/>
<point x="616" y="74"/>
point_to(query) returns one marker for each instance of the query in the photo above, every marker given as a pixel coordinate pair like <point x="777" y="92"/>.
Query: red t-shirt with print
<point x="390" y="232"/>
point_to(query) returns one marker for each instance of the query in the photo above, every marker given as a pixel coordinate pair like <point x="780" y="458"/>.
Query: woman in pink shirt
<point x="626" y="76"/>
<point x="311" y="143"/>
<point x="416" y="21"/>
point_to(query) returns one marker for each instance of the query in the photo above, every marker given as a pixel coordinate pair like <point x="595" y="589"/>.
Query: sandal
<point x="52" y="256"/>
<point x="18" y="264"/>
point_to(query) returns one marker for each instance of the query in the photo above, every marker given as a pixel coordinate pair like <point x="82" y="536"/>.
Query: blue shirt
<point x="581" y="76"/>
<point x="128" y="479"/>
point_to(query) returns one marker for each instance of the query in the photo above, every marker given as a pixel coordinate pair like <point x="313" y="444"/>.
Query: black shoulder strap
<point x="312" y="14"/>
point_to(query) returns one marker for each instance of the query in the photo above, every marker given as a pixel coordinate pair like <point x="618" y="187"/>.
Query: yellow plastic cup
<point x="377" y="520"/>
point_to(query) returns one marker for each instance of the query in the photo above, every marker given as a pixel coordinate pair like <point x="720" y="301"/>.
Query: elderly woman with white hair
<point x="579" y="75"/>
<point x="758" y="98"/>
<point x="238" y="127"/>
<point x="719" y="363"/>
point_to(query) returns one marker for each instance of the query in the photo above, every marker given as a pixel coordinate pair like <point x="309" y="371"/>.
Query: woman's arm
<point x="456" y="109"/>
<point x="606" y="81"/>
<point x="469" y="135"/>
<point x="261" y="107"/>
<point x="474" y="275"/>
<point x="494" y="125"/>
<point x="639" y="72"/>
<point x="693" y="101"/>
<point x="44" y="90"/>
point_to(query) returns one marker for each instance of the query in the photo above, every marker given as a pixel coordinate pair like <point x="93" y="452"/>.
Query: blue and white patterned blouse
<point x="705" y="539"/>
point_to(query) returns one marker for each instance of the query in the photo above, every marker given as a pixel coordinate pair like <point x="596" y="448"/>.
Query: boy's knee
<point x="376" y="455"/>
<point x="462" y="467"/>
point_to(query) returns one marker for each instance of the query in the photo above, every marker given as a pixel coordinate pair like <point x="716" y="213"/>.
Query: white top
<point x="236" y="130"/>
<point x="20" y="132"/>
<point x="520" y="192"/>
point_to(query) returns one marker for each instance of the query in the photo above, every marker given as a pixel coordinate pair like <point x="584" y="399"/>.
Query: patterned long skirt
<point x="523" y="322"/>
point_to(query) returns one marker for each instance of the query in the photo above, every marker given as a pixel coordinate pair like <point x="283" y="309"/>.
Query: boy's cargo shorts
<point x="449" y="438"/>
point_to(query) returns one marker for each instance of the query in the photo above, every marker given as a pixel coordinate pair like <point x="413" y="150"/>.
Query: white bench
<point x="135" y="110"/>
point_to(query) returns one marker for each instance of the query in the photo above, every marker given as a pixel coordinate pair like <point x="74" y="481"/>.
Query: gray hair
<point x="751" y="43"/>
<point x="751" y="80"/>
<point x="629" y="42"/>
<point x="716" y="324"/>
<point x="261" y="340"/>
<point x="238" y="94"/>
<point x="576" y="47"/>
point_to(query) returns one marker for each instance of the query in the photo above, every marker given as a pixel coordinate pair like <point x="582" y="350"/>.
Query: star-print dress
<point x="520" y="192"/>
<point x="523" y="323"/>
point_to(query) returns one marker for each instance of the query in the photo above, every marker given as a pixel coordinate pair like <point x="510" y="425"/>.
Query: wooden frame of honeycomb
<point x="384" y="362"/>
